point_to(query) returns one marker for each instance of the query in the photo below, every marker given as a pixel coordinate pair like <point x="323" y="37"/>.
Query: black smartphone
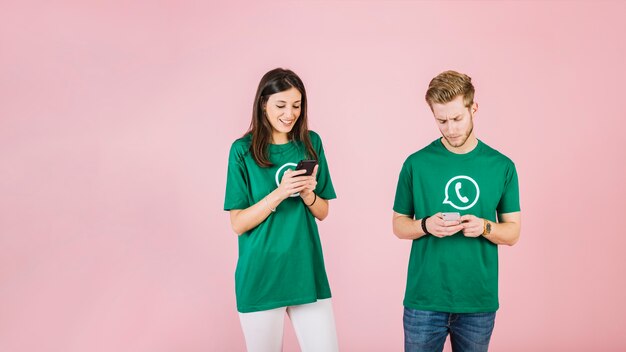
<point x="307" y="165"/>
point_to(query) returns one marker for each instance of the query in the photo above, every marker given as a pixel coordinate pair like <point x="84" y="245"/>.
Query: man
<point x="457" y="199"/>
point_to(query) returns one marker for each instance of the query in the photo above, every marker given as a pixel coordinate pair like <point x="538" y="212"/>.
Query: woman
<point x="273" y="210"/>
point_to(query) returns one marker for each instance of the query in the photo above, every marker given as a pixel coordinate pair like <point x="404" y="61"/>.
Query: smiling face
<point x="455" y="121"/>
<point x="282" y="110"/>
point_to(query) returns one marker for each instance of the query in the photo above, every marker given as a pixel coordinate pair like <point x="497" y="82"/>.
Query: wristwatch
<point x="487" y="228"/>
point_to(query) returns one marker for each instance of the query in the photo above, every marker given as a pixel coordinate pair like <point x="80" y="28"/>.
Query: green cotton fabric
<point x="455" y="274"/>
<point x="280" y="260"/>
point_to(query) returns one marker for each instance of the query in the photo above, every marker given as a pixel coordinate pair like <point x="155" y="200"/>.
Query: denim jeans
<point x="427" y="331"/>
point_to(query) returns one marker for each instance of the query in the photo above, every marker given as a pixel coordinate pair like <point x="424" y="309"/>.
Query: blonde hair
<point x="449" y="85"/>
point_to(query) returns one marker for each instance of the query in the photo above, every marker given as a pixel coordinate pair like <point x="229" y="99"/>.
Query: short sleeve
<point x="236" y="180"/>
<point x="509" y="202"/>
<point x="403" y="203"/>
<point x="324" y="188"/>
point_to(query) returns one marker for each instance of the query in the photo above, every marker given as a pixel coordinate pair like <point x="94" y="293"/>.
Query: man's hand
<point x="472" y="226"/>
<point x="439" y="227"/>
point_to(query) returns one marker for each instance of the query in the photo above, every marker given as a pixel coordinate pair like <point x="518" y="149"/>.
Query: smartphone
<point x="307" y="165"/>
<point x="451" y="216"/>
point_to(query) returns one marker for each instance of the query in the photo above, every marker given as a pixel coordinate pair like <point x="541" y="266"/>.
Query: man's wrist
<point x="486" y="227"/>
<point x="423" y="225"/>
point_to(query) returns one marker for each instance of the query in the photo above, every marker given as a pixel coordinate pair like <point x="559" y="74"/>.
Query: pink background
<point x="115" y="125"/>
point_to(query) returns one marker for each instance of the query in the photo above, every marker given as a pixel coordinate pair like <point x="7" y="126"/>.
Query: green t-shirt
<point x="280" y="260"/>
<point x="455" y="274"/>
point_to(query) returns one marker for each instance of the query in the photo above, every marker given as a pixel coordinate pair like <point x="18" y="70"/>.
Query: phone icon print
<point x="465" y="197"/>
<point x="457" y="188"/>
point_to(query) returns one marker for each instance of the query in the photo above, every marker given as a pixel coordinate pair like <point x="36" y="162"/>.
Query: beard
<point x="461" y="141"/>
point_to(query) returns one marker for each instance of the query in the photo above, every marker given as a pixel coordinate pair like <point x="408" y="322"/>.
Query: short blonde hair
<point x="449" y="85"/>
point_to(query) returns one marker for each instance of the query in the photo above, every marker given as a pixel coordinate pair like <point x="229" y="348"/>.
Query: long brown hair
<point x="275" y="81"/>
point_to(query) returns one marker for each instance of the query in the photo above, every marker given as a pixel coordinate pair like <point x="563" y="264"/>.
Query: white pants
<point x="314" y="324"/>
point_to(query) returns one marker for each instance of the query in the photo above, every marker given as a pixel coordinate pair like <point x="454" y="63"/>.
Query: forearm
<point x="246" y="219"/>
<point x="317" y="205"/>
<point x="506" y="233"/>
<point x="406" y="228"/>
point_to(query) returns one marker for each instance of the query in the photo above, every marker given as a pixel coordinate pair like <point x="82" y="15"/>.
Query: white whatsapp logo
<point x="279" y="175"/>
<point x="458" y="186"/>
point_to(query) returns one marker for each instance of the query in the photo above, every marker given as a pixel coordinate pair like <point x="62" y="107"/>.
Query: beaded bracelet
<point x="424" y="226"/>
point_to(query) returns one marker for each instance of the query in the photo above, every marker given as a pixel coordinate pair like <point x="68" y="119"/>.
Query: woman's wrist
<point x="279" y="195"/>
<point x="274" y="198"/>
<point x="267" y="204"/>
<point x="308" y="198"/>
<point x="311" y="199"/>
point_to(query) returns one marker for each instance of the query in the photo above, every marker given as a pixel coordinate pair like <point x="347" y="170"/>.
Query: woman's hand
<point x="292" y="182"/>
<point x="311" y="182"/>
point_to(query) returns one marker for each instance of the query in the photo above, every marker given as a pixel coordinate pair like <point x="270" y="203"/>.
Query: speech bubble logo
<point x="460" y="195"/>
<point x="279" y="175"/>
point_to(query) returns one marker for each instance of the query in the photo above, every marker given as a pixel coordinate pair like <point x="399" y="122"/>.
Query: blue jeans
<point x="427" y="331"/>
